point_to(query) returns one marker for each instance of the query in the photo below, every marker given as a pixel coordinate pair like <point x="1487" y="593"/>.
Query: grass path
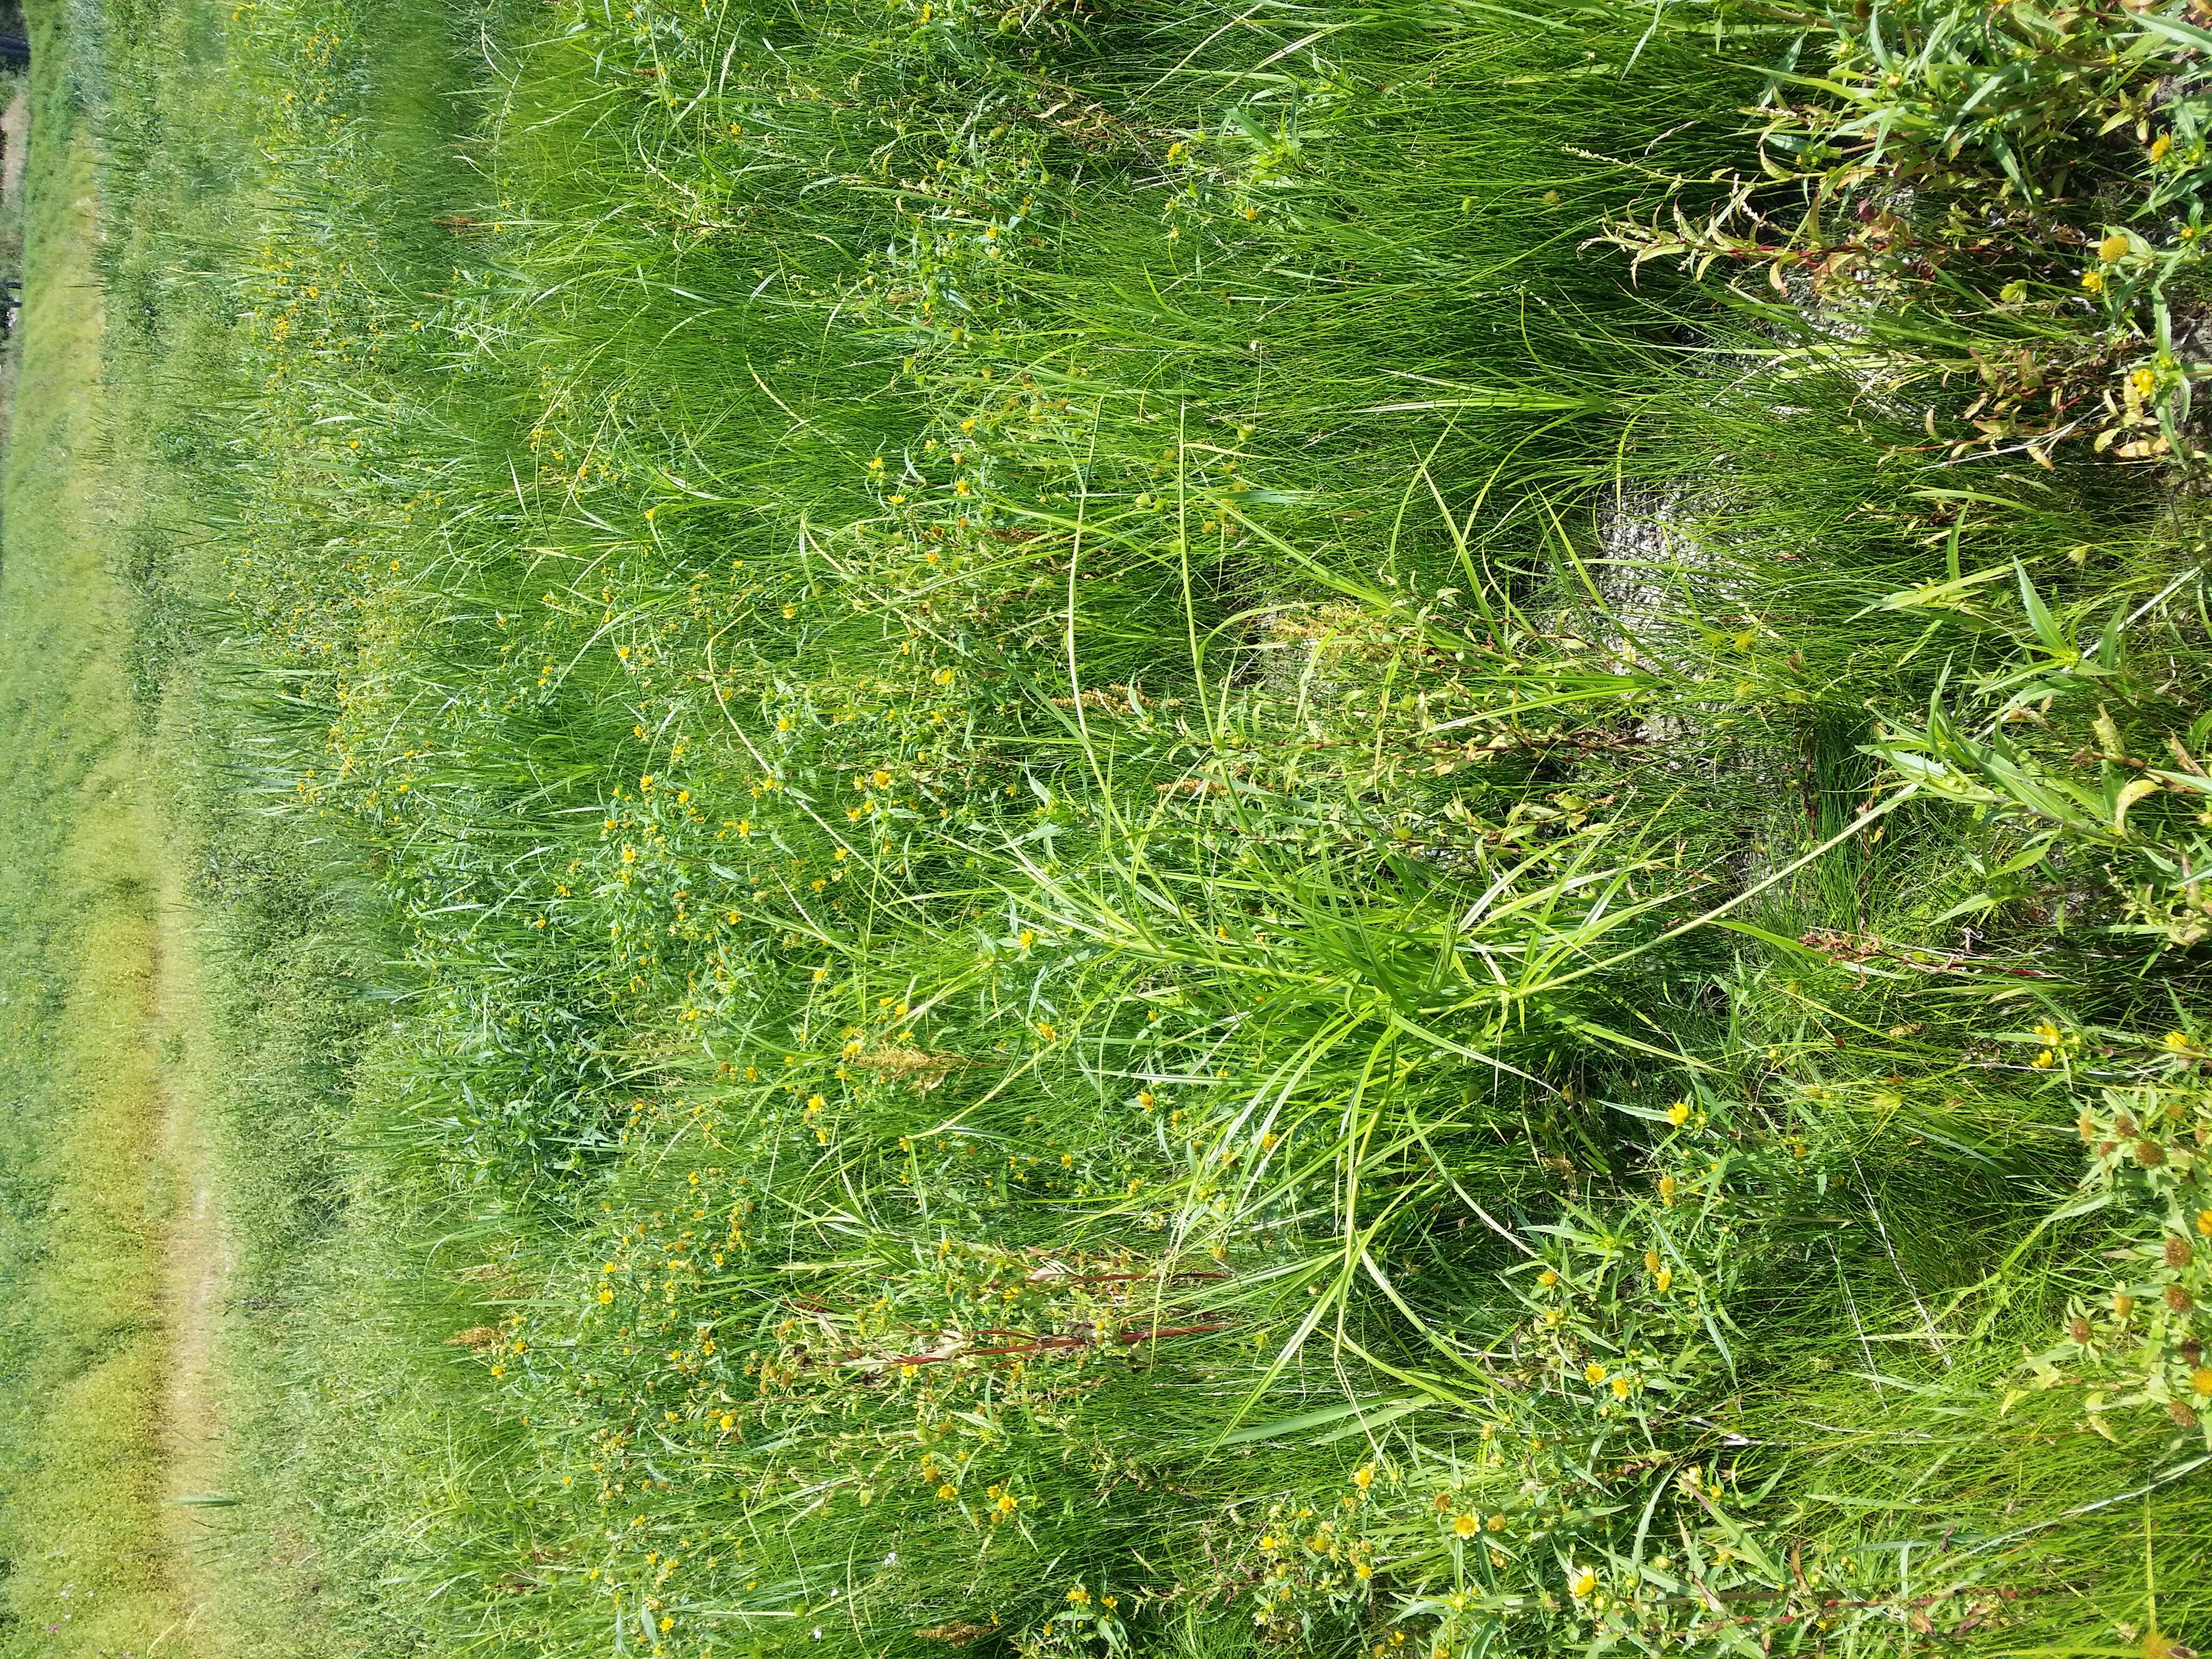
<point x="111" y="1212"/>
<point x="198" y="1254"/>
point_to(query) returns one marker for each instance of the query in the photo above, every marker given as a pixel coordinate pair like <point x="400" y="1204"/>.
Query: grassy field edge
<point x="89" y="1187"/>
<point x="206" y="1244"/>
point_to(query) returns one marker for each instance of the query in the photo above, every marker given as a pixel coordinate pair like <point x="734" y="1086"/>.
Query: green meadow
<point x="1077" y="828"/>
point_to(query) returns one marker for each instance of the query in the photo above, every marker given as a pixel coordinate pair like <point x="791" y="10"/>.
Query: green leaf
<point x="1379" y="1412"/>
<point x="2180" y="34"/>
<point x="1943" y="595"/>
<point x="2040" y="619"/>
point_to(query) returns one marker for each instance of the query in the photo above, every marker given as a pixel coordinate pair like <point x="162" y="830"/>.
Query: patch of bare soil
<point x="15" y="122"/>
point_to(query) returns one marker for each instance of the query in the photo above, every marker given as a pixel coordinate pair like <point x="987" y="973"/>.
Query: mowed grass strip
<point x="84" y="1537"/>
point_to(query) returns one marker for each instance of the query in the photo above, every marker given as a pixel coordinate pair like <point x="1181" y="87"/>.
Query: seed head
<point x="2078" y="1328"/>
<point x="2181" y="1414"/>
<point x="2178" y="1299"/>
<point x="2178" y="1252"/>
<point x="2149" y="1154"/>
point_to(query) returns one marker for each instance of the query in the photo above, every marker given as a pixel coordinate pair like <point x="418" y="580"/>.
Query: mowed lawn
<point x="84" y="1187"/>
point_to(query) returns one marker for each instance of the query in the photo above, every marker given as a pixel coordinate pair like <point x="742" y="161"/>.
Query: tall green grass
<point x="1147" y="890"/>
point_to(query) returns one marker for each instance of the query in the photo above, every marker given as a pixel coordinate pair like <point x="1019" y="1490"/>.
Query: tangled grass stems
<point x="1148" y="858"/>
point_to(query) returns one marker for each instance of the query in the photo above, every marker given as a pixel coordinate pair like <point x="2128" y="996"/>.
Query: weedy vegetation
<point x="1203" y="829"/>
